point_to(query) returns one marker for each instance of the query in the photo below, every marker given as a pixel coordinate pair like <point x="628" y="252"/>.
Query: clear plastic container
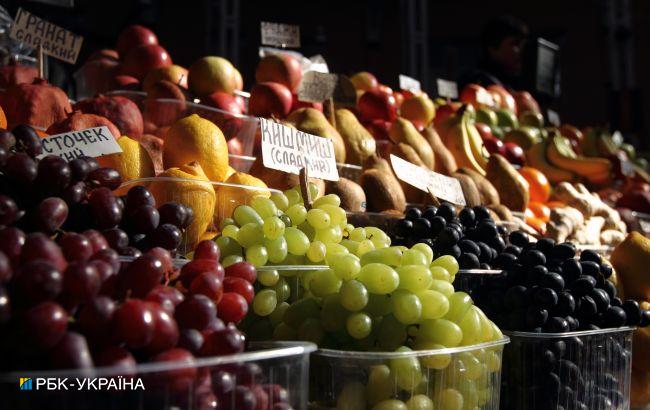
<point x="159" y="113"/>
<point x="574" y="370"/>
<point x="383" y="221"/>
<point x="281" y="369"/>
<point x="350" y="171"/>
<point x="211" y="202"/>
<point x="456" y="378"/>
<point x="471" y="280"/>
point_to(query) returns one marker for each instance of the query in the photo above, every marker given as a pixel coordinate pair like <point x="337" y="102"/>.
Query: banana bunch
<point x="599" y="143"/>
<point x="464" y="142"/>
<point x="559" y="162"/>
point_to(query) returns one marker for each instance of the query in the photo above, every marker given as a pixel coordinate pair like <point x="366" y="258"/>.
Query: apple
<point x="505" y="99"/>
<point x="419" y="108"/>
<point x="270" y="99"/>
<point x="142" y="59"/>
<point x="235" y="146"/>
<point x="296" y="103"/>
<point x="243" y="104"/>
<point x="476" y="96"/>
<point x="279" y="68"/>
<point x="494" y="146"/>
<point x="525" y="102"/>
<point x="124" y="82"/>
<point x="376" y="104"/>
<point x="399" y="98"/>
<point x="365" y="81"/>
<point x="514" y="154"/>
<point x="229" y="124"/>
<point x="484" y="130"/>
<point x="572" y="133"/>
<point x="174" y="73"/>
<point x="104" y="54"/>
<point x="96" y="76"/>
<point x="134" y="36"/>
<point x="445" y="111"/>
<point x="385" y="89"/>
<point x="378" y="129"/>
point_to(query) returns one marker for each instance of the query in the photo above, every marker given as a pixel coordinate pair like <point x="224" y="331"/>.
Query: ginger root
<point x="564" y="221"/>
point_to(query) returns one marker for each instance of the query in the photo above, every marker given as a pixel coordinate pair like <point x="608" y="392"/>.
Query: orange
<point x="540" y="211"/>
<point x="540" y="188"/>
<point x="3" y="119"/>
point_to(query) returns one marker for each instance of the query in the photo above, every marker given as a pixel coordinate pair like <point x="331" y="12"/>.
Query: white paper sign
<point x="447" y="89"/>
<point x="644" y="224"/>
<point x="288" y="149"/>
<point x="442" y="186"/>
<point x="409" y="84"/>
<point x="553" y="117"/>
<point x="91" y="142"/>
<point x="56" y="41"/>
<point x="280" y="35"/>
<point x="319" y="64"/>
<point x="317" y="87"/>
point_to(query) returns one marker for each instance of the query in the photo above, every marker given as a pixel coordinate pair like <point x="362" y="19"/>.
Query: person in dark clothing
<point x="503" y="42"/>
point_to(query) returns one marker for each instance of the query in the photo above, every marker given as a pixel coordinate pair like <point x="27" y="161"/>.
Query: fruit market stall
<point x="316" y="240"/>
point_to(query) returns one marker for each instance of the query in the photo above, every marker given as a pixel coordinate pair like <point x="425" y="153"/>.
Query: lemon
<point x="132" y="163"/>
<point x="197" y="194"/>
<point x="230" y="197"/>
<point x="196" y="139"/>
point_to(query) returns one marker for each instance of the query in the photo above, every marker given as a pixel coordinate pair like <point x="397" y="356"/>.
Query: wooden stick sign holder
<point x="40" y="57"/>
<point x="304" y="188"/>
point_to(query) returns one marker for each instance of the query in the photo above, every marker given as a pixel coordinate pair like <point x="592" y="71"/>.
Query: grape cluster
<point x="74" y="305"/>
<point x="50" y="195"/>
<point x="367" y="295"/>
<point x="547" y="289"/>
<point x="470" y="235"/>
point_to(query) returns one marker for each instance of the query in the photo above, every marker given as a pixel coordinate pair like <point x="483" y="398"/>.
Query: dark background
<point x="603" y="58"/>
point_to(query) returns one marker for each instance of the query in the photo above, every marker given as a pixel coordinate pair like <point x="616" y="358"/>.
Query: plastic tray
<point x="471" y="280"/>
<point x="358" y="380"/>
<point x="173" y="386"/>
<point x="574" y="370"/>
<point x="160" y="113"/>
<point x="190" y="192"/>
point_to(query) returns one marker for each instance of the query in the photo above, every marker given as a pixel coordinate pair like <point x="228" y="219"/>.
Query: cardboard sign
<point x="447" y="89"/>
<point x="317" y="87"/>
<point x="442" y="186"/>
<point x="319" y="64"/>
<point x="56" y="41"/>
<point x="345" y="95"/>
<point x="280" y="35"/>
<point x="288" y="149"/>
<point x="553" y="117"/>
<point x="409" y="84"/>
<point x="91" y="142"/>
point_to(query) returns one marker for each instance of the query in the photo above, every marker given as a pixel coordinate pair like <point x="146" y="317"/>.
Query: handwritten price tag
<point x="280" y="35"/>
<point x="91" y="142"/>
<point x="409" y="84"/>
<point x="288" y="149"/>
<point x="56" y="41"/>
<point x="442" y="186"/>
<point x="317" y="87"/>
<point x="553" y="117"/>
<point x="447" y="89"/>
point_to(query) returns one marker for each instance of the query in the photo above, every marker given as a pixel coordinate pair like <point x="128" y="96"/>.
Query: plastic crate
<point x="172" y="386"/>
<point x="359" y="380"/>
<point x="574" y="370"/>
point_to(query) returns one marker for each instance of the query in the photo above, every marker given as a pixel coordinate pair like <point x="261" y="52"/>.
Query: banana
<point x="606" y="145"/>
<point x="560" y="154"/>
<point x="476" y="143"/>
<point x="589" y="144"/>
<point x="457" y="140"/>
<point x="536" y="157"/>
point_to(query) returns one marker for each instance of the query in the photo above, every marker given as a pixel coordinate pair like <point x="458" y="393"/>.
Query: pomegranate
<point x="39" y="104"/>
<point x="77" y="121"/>
<point x="17" y="74"/>
<point x="121" y="111"/>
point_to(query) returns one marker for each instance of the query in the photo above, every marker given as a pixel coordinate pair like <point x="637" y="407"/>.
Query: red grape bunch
<point x="51" y="195"/>
<point x="75" y="305"/>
